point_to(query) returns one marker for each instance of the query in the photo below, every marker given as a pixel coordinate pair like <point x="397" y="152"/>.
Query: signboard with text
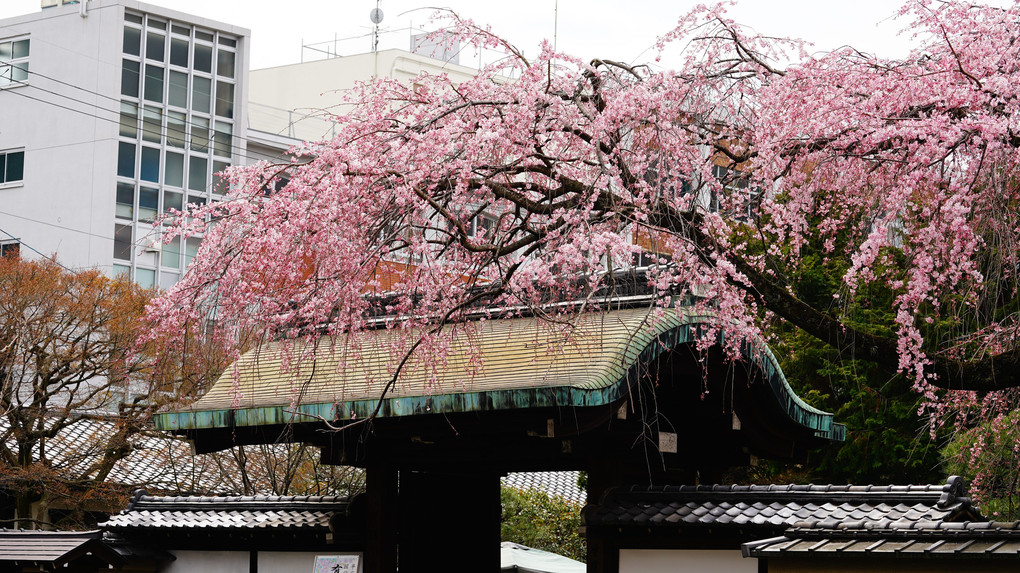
<point x="337" y="564"/>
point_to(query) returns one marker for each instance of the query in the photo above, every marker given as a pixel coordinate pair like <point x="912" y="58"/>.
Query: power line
<point x="33" y="249"/>
<point x="242" y="152"/>
<point x="141" y="105"/>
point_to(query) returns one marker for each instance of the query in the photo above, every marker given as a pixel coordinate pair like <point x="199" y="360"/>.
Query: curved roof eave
<point x="494" y="365"/>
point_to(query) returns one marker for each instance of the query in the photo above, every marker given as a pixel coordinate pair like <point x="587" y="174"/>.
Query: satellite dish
<point x="376" y="15"/>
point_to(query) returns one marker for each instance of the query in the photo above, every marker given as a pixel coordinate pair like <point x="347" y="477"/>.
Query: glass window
<point x="179" y="52"/>
<point x="207" y="36"/>
<point x="14" y="55"/>
<point x="172" y="253"/>
<point x="197" y="173"/>
<point x="122" y="242"/>
<point x="152" y="124"/>
<point x="196" y="201"/>
<point x="168" y="280"/>
<point x="172" y="200"/>
<point x="201" y="92"/>
<point x="222" y="140"/>
<point x="199" y="134"/>
<point x="128" y="119"/>
<point x="155" y="46"/>
<point x="126" y="160"/>
<point x="125" y="200"/>
<point x="132" y="41"/>
<point x="225" y="41"/>
<point x="121" y="270"/>
<point x="220" y="183"/>
<point x="154" y="83"/>
<point x="225" y="63"/>
<point x="12" y="166"/>
<point x="146" y="278"/>
<point x="178" y="93"/>
<point x="159" y="24"/>
<point x="203" y="58"/>
<point x="182" y="30"/>
<point x="224" y="99"/>
<point x="10" y="249"/>
<point x="137" y="19"/>
<point x="150" y="164"/>
<point x="19" y="50"/>
<point x="191" y="247"/>
<point x="173" y="170"/>
<point x="129" y="78"/>
<point x="175" y="134"/>
<point x="148" y="203"/>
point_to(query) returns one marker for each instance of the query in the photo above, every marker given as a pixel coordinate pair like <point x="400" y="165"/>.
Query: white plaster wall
<point x="239" y="561"/>
<point x="688" y="561"/>
<point x="211" y="562"/>
<point x="68" y="134"/>
<point x="307" y="90"/>
<point x="286" y="561"/>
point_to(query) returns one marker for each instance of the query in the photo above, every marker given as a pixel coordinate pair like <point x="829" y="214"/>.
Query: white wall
<point x="286" y="561"/>
<point x="293" y="100"/>
<point x="686" y="561"/>
<point x="65" y="202"/>
<point x="238" y="561"/>
<point x="210" y="562"/>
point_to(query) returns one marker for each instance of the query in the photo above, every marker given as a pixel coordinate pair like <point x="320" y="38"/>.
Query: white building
<point x="297" y="100"/>
<point x="112" y="112"/>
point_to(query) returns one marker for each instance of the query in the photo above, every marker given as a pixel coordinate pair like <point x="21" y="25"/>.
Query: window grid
<point x="176" y="131"/>
<point x="14" y="62"/>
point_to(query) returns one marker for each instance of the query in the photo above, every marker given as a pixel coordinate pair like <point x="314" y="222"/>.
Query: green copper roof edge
<point x="671" y="331"/>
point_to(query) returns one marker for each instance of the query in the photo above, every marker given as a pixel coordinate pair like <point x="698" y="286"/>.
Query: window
<point x="153" y="83"/>
<point x="12" y="167"/>
<point x="481" y="227"/>
<point x="126" y="160"/>
<point x="122" y="242"/>
<point x="225" y="63"/>
<point x="203" y="58"/>
<point x="132" y="41"/>
<point x="13" y="62"/>
<point x="225" y="99"/>
<point x="743" y="201"/>
<point x="10" y="249"/>
<point x="129" y="77"/>
<point x="197" y="173"/>
<point x="125" y="200"/>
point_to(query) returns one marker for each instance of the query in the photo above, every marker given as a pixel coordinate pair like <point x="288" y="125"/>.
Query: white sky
<point x="614" y="29"/>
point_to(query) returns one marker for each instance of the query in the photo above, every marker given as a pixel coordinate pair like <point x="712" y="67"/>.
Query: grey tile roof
<point x="300" y="512"/>
<point x="156" y="460"/>
<point x="919" y="539"/>
<point x="776" y="507"/>
<point x="562" y="484"/>
<point x="50" y="548"/>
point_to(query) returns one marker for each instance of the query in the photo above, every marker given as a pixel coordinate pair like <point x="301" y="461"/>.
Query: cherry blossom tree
<point x="540" y="177"/>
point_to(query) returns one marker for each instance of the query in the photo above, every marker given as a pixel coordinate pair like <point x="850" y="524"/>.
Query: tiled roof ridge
<point x="947" y="495"/>
<point x="142" y="501"/>
<point x="35" y="534"/>
<point x="904" y="528"/>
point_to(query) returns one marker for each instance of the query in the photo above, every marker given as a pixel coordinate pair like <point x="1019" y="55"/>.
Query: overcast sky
<point x="615" y="29"/>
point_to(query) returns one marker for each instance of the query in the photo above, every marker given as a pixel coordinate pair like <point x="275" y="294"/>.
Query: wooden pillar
<point x="449" y="521"/>
<point x="381" y="518"/>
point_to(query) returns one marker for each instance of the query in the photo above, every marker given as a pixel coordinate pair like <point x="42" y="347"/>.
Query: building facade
<point x="113" y="112"/>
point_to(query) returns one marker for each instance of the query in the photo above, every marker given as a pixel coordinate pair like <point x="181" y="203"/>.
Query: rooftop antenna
<point x="376" y="16"/>
<point x="556" y="23"/>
